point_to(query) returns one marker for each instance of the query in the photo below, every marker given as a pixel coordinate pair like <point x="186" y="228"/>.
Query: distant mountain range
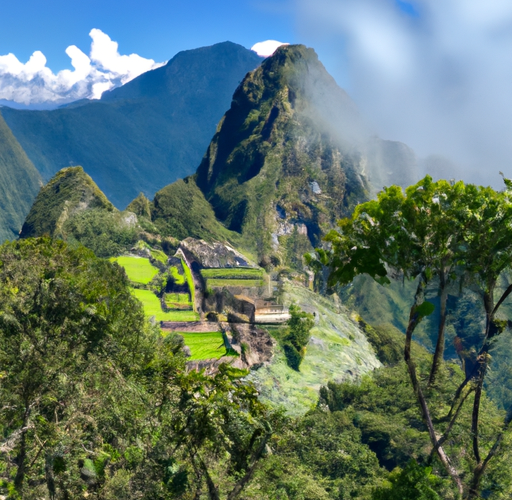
<point x="291" y="153"/>
<point x="146" y="134"/>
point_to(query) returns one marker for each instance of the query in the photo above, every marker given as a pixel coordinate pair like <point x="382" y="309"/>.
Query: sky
<point x="435" y="75"/>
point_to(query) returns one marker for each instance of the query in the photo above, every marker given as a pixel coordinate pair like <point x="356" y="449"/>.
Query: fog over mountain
<point x="435" y="75"/>
<point x="34" y="85"/>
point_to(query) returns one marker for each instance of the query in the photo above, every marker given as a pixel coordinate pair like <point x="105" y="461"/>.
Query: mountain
<point x="289" y="158"/>
<point x="19" y="184"/>
<point x="69" y="192"/>
<point x="143" y="135"/>
<point x="285" y="162"/>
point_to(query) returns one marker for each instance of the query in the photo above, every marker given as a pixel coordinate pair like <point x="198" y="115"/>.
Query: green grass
<point x="233" y="282"/>
<point x="208" y="345"/>
<point x="152" y="307"/>
<point x="178" y="300"/>
<point x="138" y="269"/>
<point x="190" y="281"/>
<point x="179" y="279"/>
<point x="233" y="273"/>
<point x="159" y="255"/>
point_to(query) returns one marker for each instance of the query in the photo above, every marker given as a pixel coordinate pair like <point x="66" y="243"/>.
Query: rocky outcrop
<point x="213" y="255"/>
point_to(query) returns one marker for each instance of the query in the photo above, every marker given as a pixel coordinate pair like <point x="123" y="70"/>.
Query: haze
<point x="435" y="75"/>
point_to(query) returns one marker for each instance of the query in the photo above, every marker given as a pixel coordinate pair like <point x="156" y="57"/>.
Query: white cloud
<point x="33" y="83"/>
<point x="439" y="80"/>
<point x="267" y="48"/>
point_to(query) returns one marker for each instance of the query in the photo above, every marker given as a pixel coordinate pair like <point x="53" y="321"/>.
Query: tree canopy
<point x="447" y="235"/>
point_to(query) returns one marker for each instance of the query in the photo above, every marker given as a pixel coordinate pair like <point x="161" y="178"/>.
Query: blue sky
<point x="435" y="75"/>
<point x="153" y="29"/>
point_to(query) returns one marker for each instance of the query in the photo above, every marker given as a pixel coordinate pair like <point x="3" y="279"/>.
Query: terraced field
<point x="179" y="301"/>
<point x="152" y="307"/>
<point x="233" y="282"/>
<point x="138" y="269"/>
<point x="208" y="345"/>
<point x="233" y="273"/>
<point x="244" y="277"/>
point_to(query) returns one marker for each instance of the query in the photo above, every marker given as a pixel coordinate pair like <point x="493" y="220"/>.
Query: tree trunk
<point x="21" y="459"/>
<point x="439" y="352"/>
<point x="414" y="320"/>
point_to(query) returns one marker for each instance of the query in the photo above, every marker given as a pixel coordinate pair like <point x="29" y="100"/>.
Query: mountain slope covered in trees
<point x="19" y="184"/>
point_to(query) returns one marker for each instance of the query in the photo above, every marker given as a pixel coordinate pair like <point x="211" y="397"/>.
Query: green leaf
<point x="425" y="309"/>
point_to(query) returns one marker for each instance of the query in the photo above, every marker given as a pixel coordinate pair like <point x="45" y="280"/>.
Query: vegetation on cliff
<point x="19" y="184"/>
<point x="272" y="149"/>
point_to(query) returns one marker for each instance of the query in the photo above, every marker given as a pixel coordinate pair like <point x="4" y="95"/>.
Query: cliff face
<point x="19" y="184"/>
<point x="285" y="158"/>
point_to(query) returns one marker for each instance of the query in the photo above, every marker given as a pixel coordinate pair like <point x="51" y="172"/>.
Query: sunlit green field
<point x="202" y="345"/>
<point x="179" y="279"/>
<point x="178" y="301"/>
<point x="233" y="273"/>
<point x="138" y="269"/>
<point x="233" y="282"/>
<point x="152" y="307"/>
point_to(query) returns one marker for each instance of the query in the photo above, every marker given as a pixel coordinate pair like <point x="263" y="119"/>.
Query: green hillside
<point x="145" y="134"/>
<point x="180" y="210"/>
<point x="19" y="184"/>
<point x="69" y="192"/>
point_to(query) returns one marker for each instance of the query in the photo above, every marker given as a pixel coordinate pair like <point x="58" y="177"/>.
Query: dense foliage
<point x="448" y="236"/>
<point x="297" y="336"/>
<point x="97" y="403"/>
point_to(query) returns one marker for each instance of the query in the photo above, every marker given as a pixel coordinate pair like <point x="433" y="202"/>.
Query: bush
<point x="297" y="337"/>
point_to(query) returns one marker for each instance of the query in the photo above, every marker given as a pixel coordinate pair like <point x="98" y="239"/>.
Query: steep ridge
<point x="19" y="184"/>
<point x="69" y="192"/>
<point x="290" y="157"/>
<point x="144" y="135"/>
<point x="285" y="154"/>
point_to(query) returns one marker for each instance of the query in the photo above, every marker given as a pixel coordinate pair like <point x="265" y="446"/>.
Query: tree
<point x="440" y="234"/>
<point x="297" y="336"/>
<point x="60" y="309"/>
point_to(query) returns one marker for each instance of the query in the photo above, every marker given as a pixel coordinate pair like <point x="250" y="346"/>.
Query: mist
<point x="434" y="75"/>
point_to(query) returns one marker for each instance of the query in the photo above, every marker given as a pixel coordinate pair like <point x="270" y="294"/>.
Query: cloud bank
<point x="33" y="83"/>
<point x="267" y="48"/>
<point x="435" y="75"/>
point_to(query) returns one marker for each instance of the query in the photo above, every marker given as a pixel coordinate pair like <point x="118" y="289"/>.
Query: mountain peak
<point x="70" y="191"/>
<point x="289" y="127"/>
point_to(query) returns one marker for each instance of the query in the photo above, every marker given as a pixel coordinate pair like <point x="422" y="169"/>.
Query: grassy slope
<point x="208" y="345"/>
<point x="138" y="269"/>
<point x="152" y="131"/>
<point x="180" y="210"/>
<point x="190" y="283"/>
<point x="338" y="350"/>
<point x="152" y="307"/>
<point x="19" y="184"/>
